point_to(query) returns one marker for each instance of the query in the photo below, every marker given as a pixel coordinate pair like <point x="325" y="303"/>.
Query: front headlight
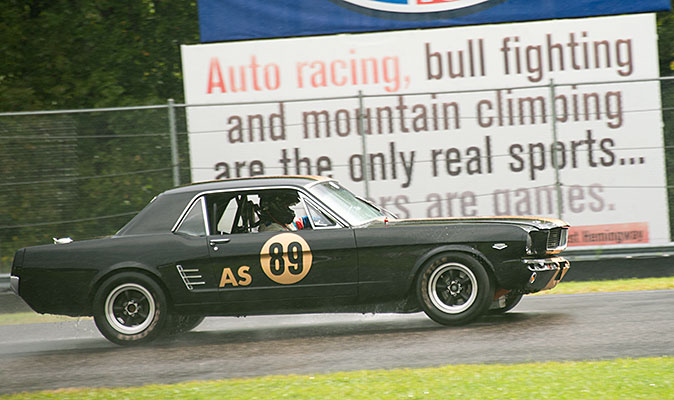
<point x="539" y="240"/>
<point x="547" y="241"/>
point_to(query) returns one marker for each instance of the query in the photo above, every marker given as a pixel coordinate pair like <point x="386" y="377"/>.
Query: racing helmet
<point x="276" y="205"/>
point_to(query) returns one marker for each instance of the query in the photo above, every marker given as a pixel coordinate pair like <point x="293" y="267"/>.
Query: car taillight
<point x="18" y="261"/>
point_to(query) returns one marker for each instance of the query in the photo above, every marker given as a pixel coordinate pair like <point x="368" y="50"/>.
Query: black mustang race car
<point x="217" y="248"/>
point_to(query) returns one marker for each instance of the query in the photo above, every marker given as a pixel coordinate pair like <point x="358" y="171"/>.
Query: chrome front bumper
<point x="14" y="284"/>
<point x="546" y="273"/>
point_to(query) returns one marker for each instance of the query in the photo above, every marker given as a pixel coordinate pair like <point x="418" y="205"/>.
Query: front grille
<point x="557" y="238"/>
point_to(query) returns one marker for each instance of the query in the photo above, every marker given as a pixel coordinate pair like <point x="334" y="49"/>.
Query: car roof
<point x="250" y="182"/>
<point x="161" y="214"/>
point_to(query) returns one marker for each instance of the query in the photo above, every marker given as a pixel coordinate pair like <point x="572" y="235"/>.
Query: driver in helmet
<point x="275" y="211"/>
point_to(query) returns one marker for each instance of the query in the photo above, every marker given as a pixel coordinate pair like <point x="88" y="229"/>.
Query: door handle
<point x="215" y="242"/>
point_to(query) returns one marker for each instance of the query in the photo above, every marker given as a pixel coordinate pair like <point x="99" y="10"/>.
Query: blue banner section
<point x="225" y="20"/>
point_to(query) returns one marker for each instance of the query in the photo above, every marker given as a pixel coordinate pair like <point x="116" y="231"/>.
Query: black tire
<point x="184" y="323"/>
<point x="511" y="301"/>
<point x="454" y="289"/>
<point x="130" y="308"/>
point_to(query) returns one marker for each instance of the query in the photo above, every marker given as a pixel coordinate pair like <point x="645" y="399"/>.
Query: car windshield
<point x="354" y="210"/>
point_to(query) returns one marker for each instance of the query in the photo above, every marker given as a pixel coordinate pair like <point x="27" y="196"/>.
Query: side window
<point x="299" y="210"/>
<point x="226" y="221"/>
<point x="194" y="223"/>
<point x="319" y="218"/>
<point x="231" y="213"/>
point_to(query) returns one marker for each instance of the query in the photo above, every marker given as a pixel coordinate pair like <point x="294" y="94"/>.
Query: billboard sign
<point x="456" y="121"/>
<point x="416" y="7"/>
<point x="225" y="20"/>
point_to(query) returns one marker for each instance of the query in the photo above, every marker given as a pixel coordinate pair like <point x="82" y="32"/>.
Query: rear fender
<point x="122" y="267"/>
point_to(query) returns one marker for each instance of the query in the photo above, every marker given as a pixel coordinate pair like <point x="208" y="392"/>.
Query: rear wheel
<point x="454" y="289"/>
<point x="130" y="308"/>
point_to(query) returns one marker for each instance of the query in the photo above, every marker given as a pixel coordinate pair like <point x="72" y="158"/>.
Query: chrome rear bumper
<point x="14" y="284"/>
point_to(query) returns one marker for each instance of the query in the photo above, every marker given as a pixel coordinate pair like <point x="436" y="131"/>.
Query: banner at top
<point x="225" y="20"/>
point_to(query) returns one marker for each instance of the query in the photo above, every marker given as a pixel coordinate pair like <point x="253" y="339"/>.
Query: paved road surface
<point x="553" y="327"/>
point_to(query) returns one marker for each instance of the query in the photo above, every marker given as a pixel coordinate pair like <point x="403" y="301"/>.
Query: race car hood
<point x="533" y="222"/>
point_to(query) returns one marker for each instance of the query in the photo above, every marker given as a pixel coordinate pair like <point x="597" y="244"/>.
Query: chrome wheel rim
<point x="452" y="288"/>
<point x="130" y="308"/>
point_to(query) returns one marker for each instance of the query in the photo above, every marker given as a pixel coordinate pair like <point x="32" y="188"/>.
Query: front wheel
<point x="130" y="308"/>
<point x="184" y="323"/>
<point x="511" y="300"/>
<point x="454" y="289"/>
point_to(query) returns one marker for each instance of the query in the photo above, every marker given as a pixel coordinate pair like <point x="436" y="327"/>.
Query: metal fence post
<point x="361" y="124"/>
<point x="175" y="161"/>
<point x="558" y="184"/>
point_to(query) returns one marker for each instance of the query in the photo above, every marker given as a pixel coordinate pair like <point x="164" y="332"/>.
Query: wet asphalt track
<point x="541" y="328"/>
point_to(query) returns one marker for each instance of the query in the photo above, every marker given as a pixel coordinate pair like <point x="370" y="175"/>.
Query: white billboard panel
<point x="484" y="149"/>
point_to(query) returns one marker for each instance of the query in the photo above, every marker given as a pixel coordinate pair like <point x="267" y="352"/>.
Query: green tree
<point x="74" y="54"/>
<point x="77" y="54"/>
<point x="666" y="42"/>
<point x="665" y="24"/>
<point x="60" y="54"/>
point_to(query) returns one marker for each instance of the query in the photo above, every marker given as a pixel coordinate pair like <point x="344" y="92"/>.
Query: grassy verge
<point x="621" y="285"/>
<point x="31" y="318"/>
<point x="648" y="378"/>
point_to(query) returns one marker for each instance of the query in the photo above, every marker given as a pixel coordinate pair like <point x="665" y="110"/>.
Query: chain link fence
<point x="81" y="173"/>
<point x="85" y="173"/>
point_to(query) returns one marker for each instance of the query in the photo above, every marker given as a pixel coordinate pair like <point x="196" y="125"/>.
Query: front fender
<point x="450" y="248"/>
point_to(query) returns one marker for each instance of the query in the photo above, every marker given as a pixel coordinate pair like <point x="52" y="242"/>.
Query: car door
<point x="189" y="277"/>
<point x="319" y="262"/>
